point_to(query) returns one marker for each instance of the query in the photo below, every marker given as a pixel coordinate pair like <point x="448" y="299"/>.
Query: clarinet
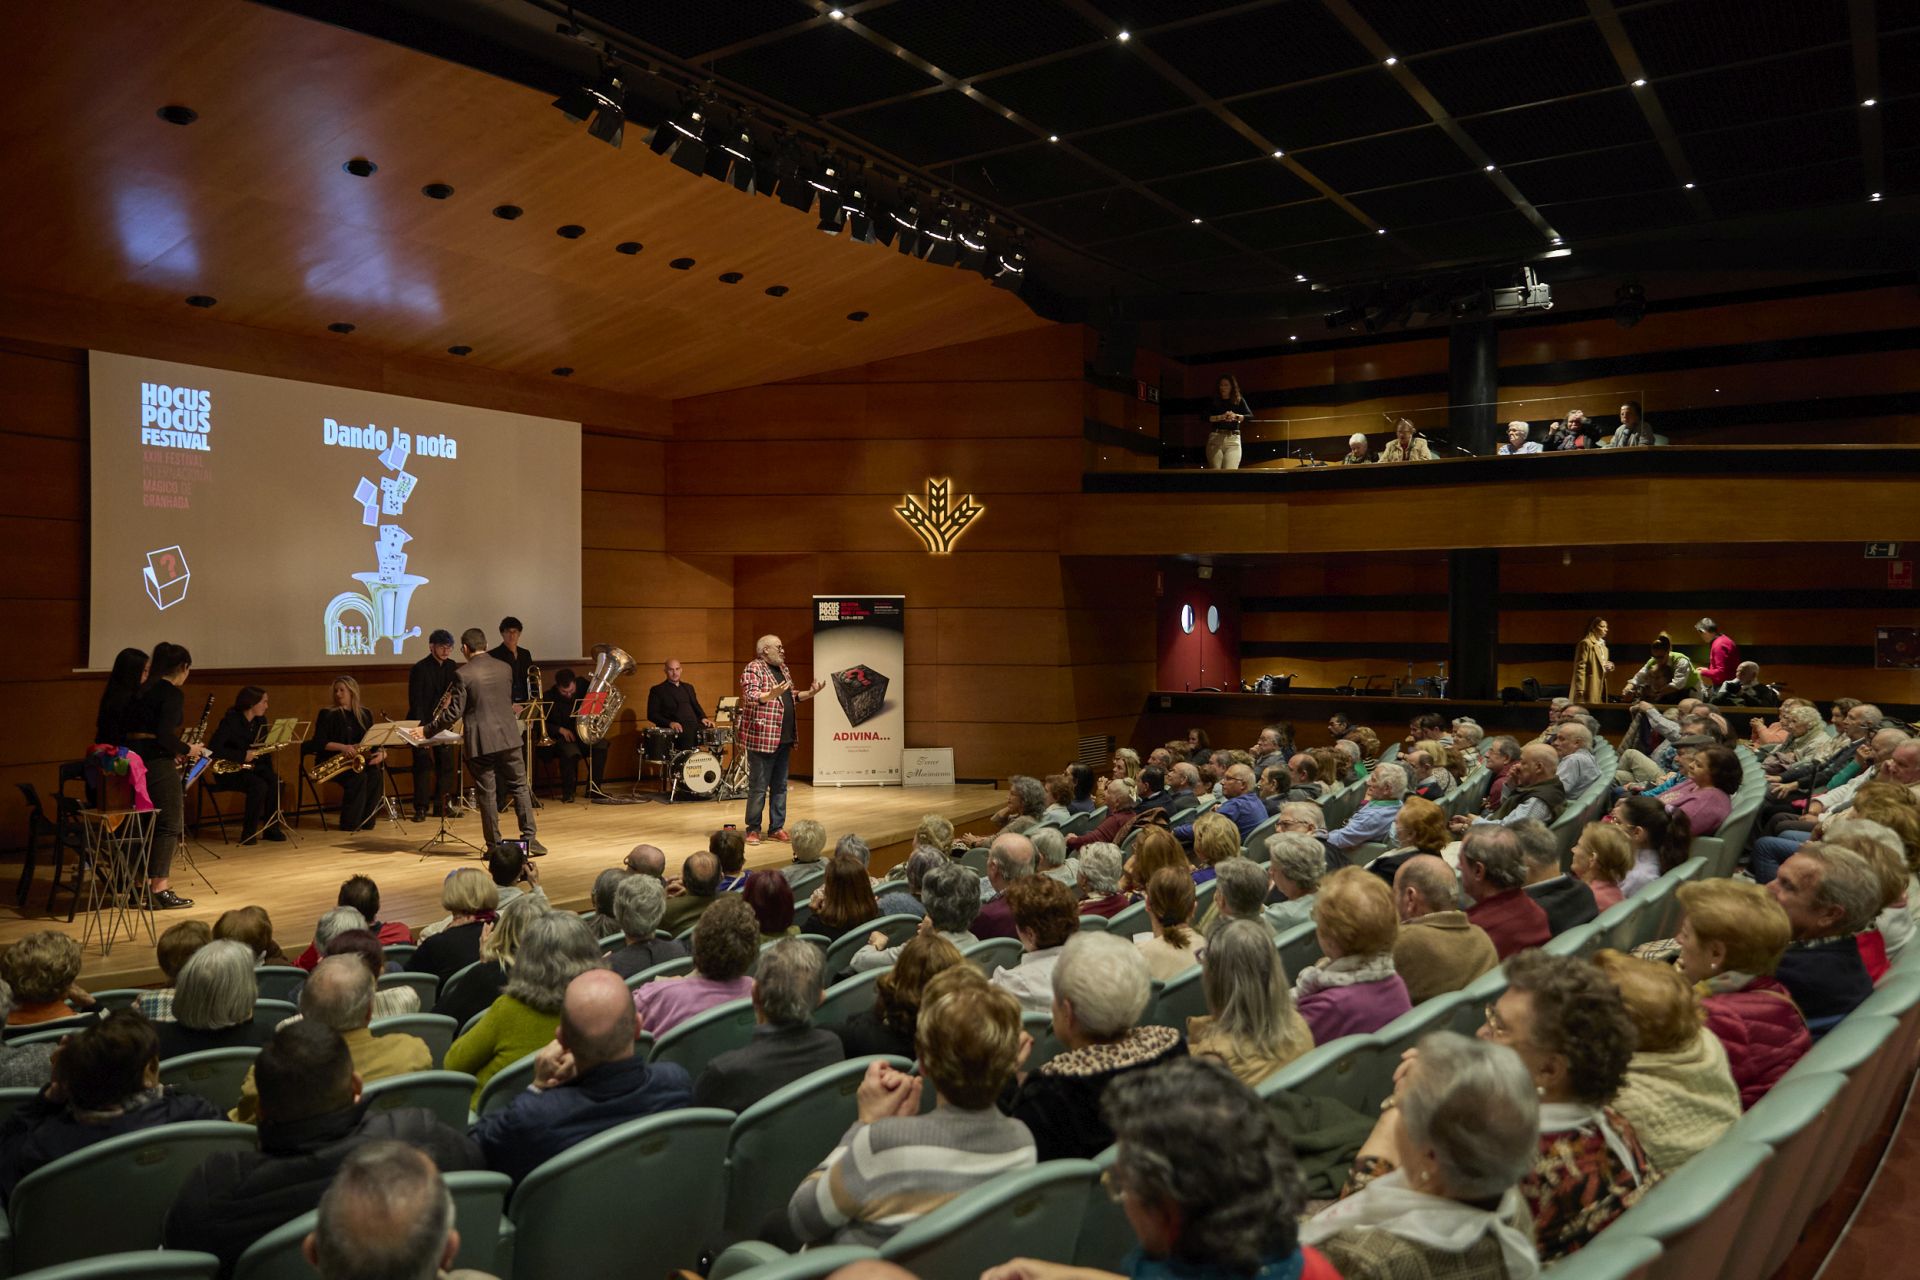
<point x="196" y="735"/>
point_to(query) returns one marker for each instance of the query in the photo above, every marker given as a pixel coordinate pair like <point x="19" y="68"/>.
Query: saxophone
<point x="335" y="765"/>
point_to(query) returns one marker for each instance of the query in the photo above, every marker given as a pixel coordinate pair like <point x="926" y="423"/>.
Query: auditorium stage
<point x="295" y="882"/>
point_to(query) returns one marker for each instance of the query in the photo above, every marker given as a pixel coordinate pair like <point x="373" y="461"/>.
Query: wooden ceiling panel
<point x="250" y="204"/>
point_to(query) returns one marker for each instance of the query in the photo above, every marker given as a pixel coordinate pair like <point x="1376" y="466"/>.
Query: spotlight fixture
<point x="1875" y="196"/>
<point x="178" y="115"/>
<point x="603" y="106"/>
<point x="576" y="104"/>
<point x="360" y="167"/>
<point x="1293" y="337"/>
<point x="462" y="350"/>
<point x="1629" y="304"/>
<point x="1196" y="222"/>
<point x="796" y="184"/>
<point x="735" y="159"/>
<point x="1489" y="168"/>
<point x="1379" y="231"/>
<point x="1053" y="137"/>
<point x="340" y="326"/>
<point x="1011" y="274"/>
<point x="937" y="244"/>
<point x="684" y="137"/>
<point x="973" y="253"/>
<point x="907" y="228"/>
<point x="1279" y="154"/>
<point x="1302" y="279"/>
<point x="201" y="300"/>
<point x="436" y="191"/>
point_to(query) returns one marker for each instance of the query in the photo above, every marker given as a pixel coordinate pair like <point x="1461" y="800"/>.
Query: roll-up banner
<point x="860" y="721"/>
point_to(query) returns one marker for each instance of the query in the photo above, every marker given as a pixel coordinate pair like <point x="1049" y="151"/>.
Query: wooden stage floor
<point x="295" y="882"/>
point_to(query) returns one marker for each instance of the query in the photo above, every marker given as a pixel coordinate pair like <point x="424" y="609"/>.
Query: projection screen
<point x="264" y="522"/>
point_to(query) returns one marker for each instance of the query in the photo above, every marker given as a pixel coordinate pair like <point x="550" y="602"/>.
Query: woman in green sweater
<point x="556" y="948"/>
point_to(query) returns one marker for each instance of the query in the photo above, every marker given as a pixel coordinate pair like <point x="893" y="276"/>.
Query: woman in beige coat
<point x="1591" y="665"/>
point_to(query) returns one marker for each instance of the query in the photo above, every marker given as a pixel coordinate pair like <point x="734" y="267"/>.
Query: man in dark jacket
<point x="785" y="1045"/>
<point x="311" y="1120"/>
<point x="1830" y="895"/>
<point x="106" y="1082"/>
<point x="585" y="1082"/>
<point x="1566" y="899"/>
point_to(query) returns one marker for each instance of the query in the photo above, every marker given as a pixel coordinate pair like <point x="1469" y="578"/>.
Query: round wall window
<point x="1186" y="618"/>
<point x="1213" y="619"/>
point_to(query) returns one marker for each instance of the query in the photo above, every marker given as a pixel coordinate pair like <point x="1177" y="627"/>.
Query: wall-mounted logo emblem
<point x="942" y="520"/>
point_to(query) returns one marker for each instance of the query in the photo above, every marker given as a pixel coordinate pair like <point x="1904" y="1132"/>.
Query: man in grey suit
<point x="482" y="692"/>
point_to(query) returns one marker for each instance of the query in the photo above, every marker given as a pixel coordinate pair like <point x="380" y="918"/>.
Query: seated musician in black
<point x="672" y="704"/>
<point x="563" y="727"/>
<point x="232" y="743"/>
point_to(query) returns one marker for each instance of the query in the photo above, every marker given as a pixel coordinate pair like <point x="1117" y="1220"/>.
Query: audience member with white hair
<point x="1100" y="989"/>
<point x="1011" y="857"/>
<point x="950" y="893"/>
<point x="1239" y="803"/>
<point x="340" y="995"/>
<point x="1357" y="450"/>
<point x="1577" y="769"/>
<point x="786" y="1045"/>
<point x="1493" y="872"/>
<point x="1830" y="895"/>
<point x="1296" y="863"/>
<point x="1098" y="869"/>
<point x="213" y="1002"/>
<point x="1437" y="949"/>
<point x="1372" y="822"/>
<point x="1446" y="1161"/>
<point x="1531" y="788"/>
<point x="1241" y="894"/>
<point x="1251" y="1023"/>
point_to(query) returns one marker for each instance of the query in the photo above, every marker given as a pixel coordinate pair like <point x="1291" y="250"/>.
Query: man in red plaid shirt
<point x="766" y="729"/>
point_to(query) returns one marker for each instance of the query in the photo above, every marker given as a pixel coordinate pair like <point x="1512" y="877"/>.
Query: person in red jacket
<point x="1493" y="871"/>
<point x="1731" y="938"/>
<point x="363" y="895"/>
<point x="1723" y="655"/>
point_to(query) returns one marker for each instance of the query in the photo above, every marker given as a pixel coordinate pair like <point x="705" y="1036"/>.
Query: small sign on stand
<point x="926" y="766"/>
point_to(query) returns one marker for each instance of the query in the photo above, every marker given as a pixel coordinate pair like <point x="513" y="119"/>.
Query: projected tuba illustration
<point x="600" y="702"/>
<point x="382" y="608"/>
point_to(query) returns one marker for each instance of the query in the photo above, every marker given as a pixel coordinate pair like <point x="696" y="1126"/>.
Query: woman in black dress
<point x="116" y="701"/>
<point x="339" y="728"/>
<point x="232" y="741"/>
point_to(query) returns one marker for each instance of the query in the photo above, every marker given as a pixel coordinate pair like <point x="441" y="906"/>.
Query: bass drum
<point x="700" y="772"/>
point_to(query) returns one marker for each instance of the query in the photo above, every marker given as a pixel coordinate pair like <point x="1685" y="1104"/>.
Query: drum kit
<point x="713" y="767"/>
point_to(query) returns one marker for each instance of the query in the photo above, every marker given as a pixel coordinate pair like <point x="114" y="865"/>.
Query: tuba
<point x="609" y="664"/>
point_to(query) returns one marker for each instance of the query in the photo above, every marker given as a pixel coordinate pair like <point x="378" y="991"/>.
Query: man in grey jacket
<point x="482" y="698"/>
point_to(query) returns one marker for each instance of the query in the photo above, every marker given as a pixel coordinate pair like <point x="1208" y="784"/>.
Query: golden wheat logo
<point x="941" y="521"/>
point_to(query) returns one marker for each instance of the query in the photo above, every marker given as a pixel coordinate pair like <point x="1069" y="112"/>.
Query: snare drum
<point x="716" y="739"/>
<point x="656" y="745"/>
<point x="699" y="772"/>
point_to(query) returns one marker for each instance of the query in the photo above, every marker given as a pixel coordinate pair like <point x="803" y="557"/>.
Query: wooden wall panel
<point x="1702" y="326"/>
<point x="1323" y="366"/>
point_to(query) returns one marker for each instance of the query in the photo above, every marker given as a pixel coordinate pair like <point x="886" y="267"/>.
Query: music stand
<point x="389" y="733"/>
<point x="284" y="733"/>
<point x="454" y="735"/>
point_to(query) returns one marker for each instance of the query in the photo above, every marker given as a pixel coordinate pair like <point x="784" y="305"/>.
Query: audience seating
<point x="445" y="1093"/>
<point x="1299" y="947"/>
<point x="504" y="1085"/>
<point x="1090" y="923"/>
<point x="778" y="1140"/>
<point x="756" y="1260"/>
<point x="1795" y="1119"/>
<point x="975" y="859"/>
<point x="1203" y="897"/>
<point x="454" y="989"/>
<point x="11" y="1098"/>
<point x="53" y="1029"/>
<point x="269" y="1014"/>
<point x="844" y="999"/>
<point x="803" y="881"/>
<point x="479" y="1198"/>
<point x="400" y="952"/>
<point x="427" y="984"/>
<point x="1255" y="845"/>
<point x="1029" y="1213"/>
<point x="995" y="954"/>
<point x="665" y="969"/>
<point x="652" y="1188"/>
<point x="1609" y="1256"/>
<point x="148" y="1264"/>
<point x="1183" y="997"/>
<point x="55" y="1214"/>
<point x="1046" y="1045"/>
<point x="1106" y="1237"/>
<point x="898" y="929"/>
<point x="278" y="981"/>
<point x="1129" y="922"/>
<point x="437" y="1029"/>
<point x="705" y="1036"/>
<point x="116" y="998"/>
<point x="1699" y="1212"/>
<point x="213" y="1074"/>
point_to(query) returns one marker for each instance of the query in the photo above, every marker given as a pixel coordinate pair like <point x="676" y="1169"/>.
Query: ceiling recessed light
<point x="1558" y="253"/>
<point x="1301" y="279"/>
<point x="207" y="299"/>
<point x="1124" y="36"/>
<point x="1379" y="231"/>
<point x="1556" y="239"/>
<point x="436" y="191"/>
<point x="564" y="371"/>
<point x="681" y="264"/>
<point x="1689" y="186"/>
<point x="731" y="277"/>
<point x="1196" y="222"/>
<point x="339" y="326"/>
<point x="1640" y="83"/>
<point x="628" y="247"/>
<point x="174" y="114"/>
<point x="462" y="350"/>
<point x="507" y="212"/>
<point x="777" y="291"/>
<point x="1293" y="337"/>
<point x="1874" y="196"/>
<point x="1489" y="168"/>
<point x="1392" y="61"/>
<point x="360" y="167"/>
<point x="1053" y="137"/>
<point x="1871" y="102"/>
<point x="856" y="316"/>
<point x="836" y="14"/>
<point x="572" y="231"/>
<point x="1278" y="153"/>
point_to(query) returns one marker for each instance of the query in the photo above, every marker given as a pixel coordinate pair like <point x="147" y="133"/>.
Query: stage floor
<point x="295" y="882"/>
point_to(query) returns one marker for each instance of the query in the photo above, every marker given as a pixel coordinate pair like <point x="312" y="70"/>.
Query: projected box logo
<point x="166" y="577"/>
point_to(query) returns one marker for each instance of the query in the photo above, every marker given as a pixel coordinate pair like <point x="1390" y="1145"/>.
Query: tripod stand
<point x="444" y="837"/>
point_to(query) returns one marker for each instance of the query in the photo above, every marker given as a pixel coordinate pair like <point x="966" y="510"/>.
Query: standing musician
<point x="232" y="741"/>
<point x="672" y="704"/>
<point x="338" y="729"/>
<point x="1406" y="447"/>
<point x="567" y="748"/>
<point x="482" y="697"/>
<point x="153" y="733"/>
<point x="767" y="730"/>
<point x="521" y="660"/>
<point x="436" y="770"/>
